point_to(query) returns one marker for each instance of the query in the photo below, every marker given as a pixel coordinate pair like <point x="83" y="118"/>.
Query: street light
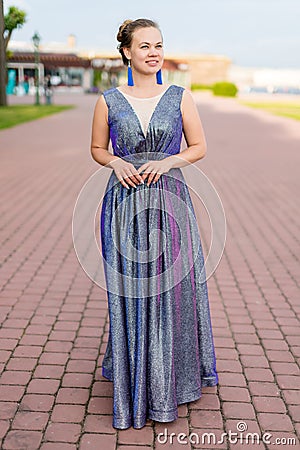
<point x="36" y="39"/>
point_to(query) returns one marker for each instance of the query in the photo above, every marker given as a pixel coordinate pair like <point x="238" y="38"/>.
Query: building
<point x="73" y="68"/>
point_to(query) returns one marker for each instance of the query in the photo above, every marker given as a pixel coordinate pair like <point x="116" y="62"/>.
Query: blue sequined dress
<point x="160" y="350"/>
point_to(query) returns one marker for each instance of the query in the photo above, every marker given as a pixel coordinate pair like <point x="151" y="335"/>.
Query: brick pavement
<point x="54" y="319"/>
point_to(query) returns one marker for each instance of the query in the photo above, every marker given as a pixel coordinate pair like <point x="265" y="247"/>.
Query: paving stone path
<point x="54" y="320"/>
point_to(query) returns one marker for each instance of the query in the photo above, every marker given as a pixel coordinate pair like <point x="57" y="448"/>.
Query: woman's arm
<point x="124" y="170"/>
<point x="193" y="133"/>
<point x="100" y="135"/>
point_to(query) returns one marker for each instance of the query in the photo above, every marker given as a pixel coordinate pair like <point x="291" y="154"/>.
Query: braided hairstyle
<point x="126" y="30"/>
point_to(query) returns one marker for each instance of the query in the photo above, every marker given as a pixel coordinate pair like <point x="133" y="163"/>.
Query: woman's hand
<point x="154" y="169"/>
<point x="124" y="170"/>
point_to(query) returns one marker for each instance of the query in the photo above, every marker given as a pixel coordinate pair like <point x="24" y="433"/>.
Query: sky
<point x="252" y="33"/>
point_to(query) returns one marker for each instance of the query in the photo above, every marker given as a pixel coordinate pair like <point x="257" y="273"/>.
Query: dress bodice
<point x="143" y="108"/>
<point x="164" y="129"/>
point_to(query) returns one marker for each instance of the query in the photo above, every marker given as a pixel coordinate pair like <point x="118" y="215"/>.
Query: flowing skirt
<point x="160" y="351"/>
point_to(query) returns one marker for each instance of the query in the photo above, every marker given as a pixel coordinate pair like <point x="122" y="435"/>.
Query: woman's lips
<point x="152" y="63"/>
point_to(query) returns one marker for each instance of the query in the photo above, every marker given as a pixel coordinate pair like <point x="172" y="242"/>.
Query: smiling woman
<point x="138" y="51"/>
<point x="160" y="350"/>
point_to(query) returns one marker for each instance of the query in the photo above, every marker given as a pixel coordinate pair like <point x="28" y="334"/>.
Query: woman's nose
<point x="153" y="51"/>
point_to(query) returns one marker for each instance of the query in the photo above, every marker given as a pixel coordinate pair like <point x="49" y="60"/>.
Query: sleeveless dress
<point x="160" y="350"/>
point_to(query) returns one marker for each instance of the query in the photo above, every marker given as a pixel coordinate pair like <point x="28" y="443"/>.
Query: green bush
<point x="225" y="89"/>
<point x="202" y="87"/>
<point x="97" y="78"/>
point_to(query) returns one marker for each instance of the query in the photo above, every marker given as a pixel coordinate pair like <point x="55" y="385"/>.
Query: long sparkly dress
<point x="160" y="350"/>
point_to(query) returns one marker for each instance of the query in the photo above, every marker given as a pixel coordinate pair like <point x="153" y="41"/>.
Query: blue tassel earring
<point x="129" y="75"/>
<point x="158" y="77"/>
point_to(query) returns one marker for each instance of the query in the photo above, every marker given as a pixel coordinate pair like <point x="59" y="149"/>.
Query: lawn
<point x="15" y="114"/>
<point x="285" y="109"/>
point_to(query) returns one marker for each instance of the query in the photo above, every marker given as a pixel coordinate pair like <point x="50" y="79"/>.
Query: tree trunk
<point x="3" y="100"/>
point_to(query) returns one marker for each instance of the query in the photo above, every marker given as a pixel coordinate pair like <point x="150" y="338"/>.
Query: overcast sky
<point x="252" y="33"/>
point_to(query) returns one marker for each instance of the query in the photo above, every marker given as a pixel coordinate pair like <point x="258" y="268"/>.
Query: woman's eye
<point x="146" y="46"/>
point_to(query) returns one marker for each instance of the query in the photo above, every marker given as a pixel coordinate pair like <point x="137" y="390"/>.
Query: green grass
<point x="291" y="110"/>
<point x="13" y="115"/>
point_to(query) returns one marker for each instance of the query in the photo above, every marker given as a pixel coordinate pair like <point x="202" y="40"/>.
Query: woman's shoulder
<point x="178" y="86"/>
<point x="175" y="87"/>
<point x="183" y="89"/>
<point x="179" y="91"/>
<point x="108" y="91"/>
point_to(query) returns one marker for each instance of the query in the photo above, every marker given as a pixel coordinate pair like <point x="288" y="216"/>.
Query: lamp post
<point x="36" y="39"/>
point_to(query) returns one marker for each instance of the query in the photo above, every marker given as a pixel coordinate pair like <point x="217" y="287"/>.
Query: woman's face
<point x="146" y="52"/>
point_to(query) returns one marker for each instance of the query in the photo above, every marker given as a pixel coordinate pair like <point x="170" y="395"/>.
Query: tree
<point x="15" y="18"/>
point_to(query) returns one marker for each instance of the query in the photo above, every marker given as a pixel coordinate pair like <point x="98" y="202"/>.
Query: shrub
<point x="199" y="86"/>
<point x="97" y="78"/>
<point x="225" y="89"/>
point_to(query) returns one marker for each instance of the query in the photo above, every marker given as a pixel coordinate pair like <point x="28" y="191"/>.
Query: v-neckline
<point x="153" y="113"/>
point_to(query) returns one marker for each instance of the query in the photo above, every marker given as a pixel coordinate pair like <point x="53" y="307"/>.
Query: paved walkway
<point x="54" y="319"/>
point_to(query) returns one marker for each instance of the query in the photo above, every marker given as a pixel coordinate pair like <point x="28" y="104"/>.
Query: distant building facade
<point x="207" y="69"/>
<point x="70" y="67"/>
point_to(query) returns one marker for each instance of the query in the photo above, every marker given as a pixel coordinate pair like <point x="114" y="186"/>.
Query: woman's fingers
<point x="130" y="181"/>
<point x="143" y="167"/>
<point x="137" y="178"/>
<point x="145" y="175"/>
<point x="120" y="178"/>
<point x="137" y="175"/>
<point x="129" y="174"/>
<point x="151" y="176"/>
<point x="134" y="175"/>
<point x="157" y="177"/>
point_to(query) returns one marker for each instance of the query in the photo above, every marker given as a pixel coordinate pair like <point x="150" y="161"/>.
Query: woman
<point x="160" y="349"/>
